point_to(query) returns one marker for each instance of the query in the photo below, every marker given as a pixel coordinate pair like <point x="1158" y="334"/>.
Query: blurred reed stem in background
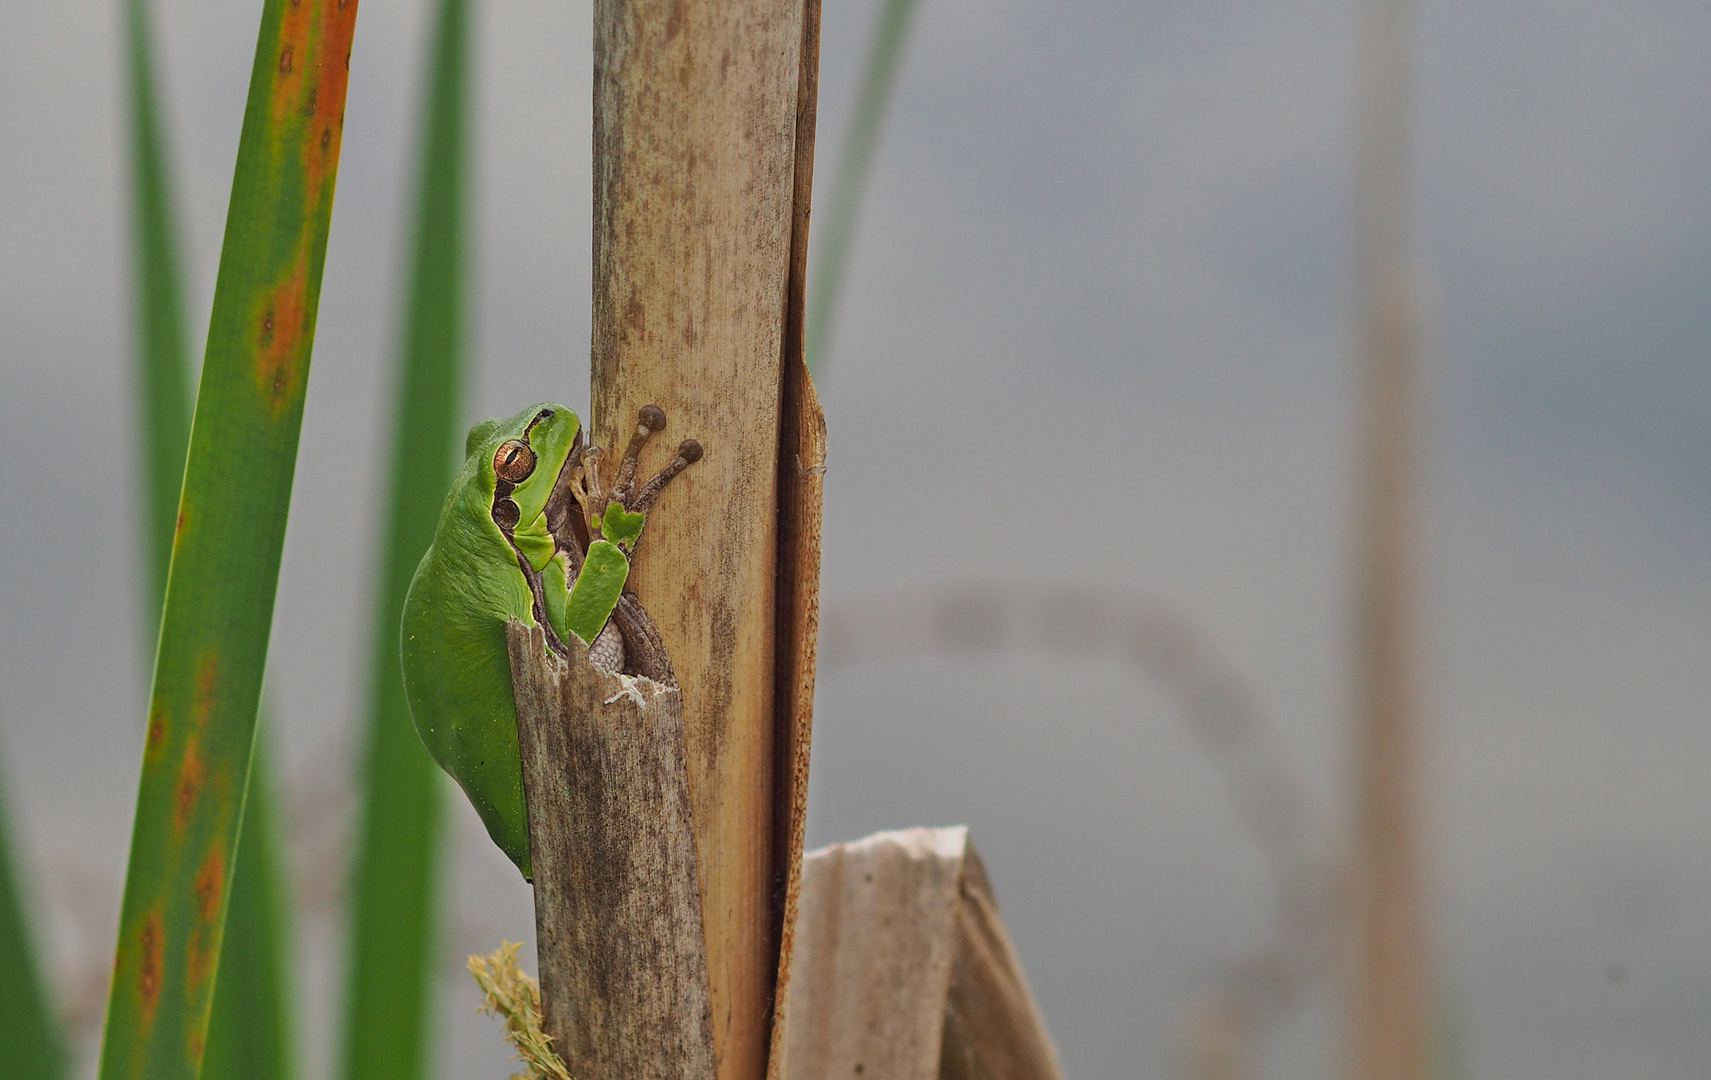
<point x="1390" y="1001"/>
<point x="837" y="219"/>
<point x="30" y="1043"/>
<point x="395" y="868"/>
<point x="162" y="390"/>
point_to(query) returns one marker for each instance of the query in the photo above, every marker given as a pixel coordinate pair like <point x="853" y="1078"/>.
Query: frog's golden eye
<point x="513" y="461"/>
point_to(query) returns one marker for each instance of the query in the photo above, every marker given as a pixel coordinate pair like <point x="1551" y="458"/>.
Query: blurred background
<point x="1102" y="267"/>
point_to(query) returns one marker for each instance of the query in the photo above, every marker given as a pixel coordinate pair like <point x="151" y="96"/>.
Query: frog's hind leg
<point x="644" y="649"/>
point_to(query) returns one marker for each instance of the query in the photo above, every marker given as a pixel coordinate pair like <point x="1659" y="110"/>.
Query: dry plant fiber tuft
<point x="514" y="998"/>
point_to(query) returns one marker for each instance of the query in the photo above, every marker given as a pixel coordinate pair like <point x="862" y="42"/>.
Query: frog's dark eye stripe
<point x="513" y="461"/>
<point x="544" y="414"/>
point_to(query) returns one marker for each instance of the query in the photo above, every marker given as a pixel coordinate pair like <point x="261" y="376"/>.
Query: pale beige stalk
<point x="904" y="970"/>
<point x="699" y="205"/>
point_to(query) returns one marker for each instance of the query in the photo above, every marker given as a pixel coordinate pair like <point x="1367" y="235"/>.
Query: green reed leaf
<point x="229" y="531"/>
<point x="250" y="1024"/>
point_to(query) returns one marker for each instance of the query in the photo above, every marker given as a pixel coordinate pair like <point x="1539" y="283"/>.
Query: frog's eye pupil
<point x="513" y="461"/>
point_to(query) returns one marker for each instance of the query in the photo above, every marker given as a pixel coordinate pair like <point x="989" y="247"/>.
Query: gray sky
<point x="1103" y="265"/>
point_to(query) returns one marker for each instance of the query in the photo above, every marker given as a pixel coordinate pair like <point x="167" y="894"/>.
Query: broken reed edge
<point x="619" y="938"/>
<point x="801" y="482"/>
<point x="801" y="490"/>
<point x="906" y="970"/>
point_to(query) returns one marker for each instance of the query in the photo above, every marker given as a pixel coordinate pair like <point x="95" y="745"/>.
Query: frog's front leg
<point x="582" y="513"/>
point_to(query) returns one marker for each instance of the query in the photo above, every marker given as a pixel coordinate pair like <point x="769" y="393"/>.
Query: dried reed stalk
<point x="703" y="138"/>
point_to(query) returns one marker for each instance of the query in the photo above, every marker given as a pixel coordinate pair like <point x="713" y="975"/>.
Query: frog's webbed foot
<point x="624" y="492"/>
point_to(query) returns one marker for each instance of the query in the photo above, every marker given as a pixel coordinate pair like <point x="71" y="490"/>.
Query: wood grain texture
<point x="801" y="475"/>
<point x="903" y="969"/>
<point x="617" y="907"/>
<point x="696" y="122"/>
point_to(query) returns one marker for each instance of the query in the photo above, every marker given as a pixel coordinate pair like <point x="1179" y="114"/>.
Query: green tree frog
<point x="527" y="532"/>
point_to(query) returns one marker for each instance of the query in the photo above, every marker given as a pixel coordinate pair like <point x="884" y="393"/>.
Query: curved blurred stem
<point x="855" y="164"/>
<point x="1390" y="998"/>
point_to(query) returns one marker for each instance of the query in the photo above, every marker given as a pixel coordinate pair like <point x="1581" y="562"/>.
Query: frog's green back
<point x="457" y="674"/>
<point x="458" y="677"/>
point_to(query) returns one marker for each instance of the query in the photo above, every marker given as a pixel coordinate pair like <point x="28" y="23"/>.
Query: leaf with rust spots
<point x="189" y="782"/>
<point x="151" y="952"/>
<point x="236" y="481"/>
<point x="201" y="951"/>
<point x="157" y="732"/>
<point x="207" y="672"/>
<point x="291" y="45"/>
<point x="210" y="880"/>
<point x="326" y="101"/>
<point x="281" y="339"/>
<point x="201" y="956"/>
